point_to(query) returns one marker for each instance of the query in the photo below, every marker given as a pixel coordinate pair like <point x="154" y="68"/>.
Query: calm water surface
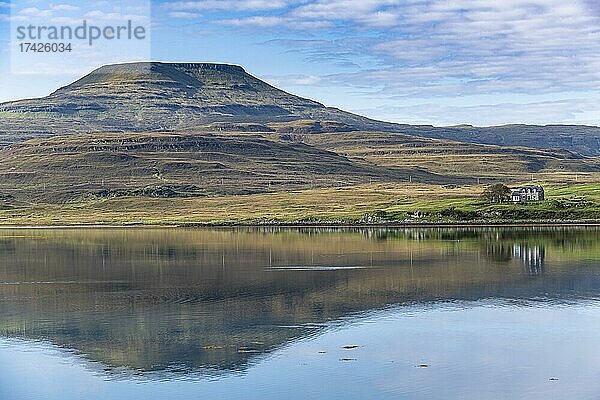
<point x="267" y="314"/>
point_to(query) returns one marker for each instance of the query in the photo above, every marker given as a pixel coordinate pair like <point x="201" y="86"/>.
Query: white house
<point x="528" y="193"/>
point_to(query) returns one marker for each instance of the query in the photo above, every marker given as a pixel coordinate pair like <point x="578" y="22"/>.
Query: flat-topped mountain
<point x="155" y="96"/>
<point x="163" y="96"/>
<point x="204" y="88"/>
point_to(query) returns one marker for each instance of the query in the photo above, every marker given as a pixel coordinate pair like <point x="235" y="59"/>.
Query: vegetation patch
<point x="154" y="191"/>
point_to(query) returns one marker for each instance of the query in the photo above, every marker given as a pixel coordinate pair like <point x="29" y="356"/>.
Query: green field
<point x="375" y="203"/>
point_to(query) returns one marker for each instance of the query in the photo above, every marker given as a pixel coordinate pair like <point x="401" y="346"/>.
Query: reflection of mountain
<point x="193" y="299"/>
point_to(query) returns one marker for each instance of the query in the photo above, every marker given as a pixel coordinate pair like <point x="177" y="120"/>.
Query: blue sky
<point x="480" y="62"/>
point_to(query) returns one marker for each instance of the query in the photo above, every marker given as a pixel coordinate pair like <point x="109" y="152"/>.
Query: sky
<point x="438" y="62"/>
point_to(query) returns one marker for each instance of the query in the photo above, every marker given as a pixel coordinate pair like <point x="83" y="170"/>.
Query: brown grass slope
<point x="79" y="167"/>
<point x="475" y="162"/>
<point x="202" y="164"/>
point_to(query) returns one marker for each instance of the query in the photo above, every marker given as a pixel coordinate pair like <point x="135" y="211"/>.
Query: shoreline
<point x="335" y="225"/>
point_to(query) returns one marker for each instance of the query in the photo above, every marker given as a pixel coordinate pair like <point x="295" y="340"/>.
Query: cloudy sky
<point x="481" y="62"/>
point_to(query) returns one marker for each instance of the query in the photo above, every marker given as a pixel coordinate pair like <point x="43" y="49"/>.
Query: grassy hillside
<point x="87" y="167"/>
<point x="584" y="140"/>
<point x="253" y="177"/>
<point x="471" y="161"/>
<point x="196" y="164"/>
<point x="375" y="203"/>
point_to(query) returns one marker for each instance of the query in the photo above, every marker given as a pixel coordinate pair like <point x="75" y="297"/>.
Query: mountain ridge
<point x="157" y="96"/>
<point x="151" y="97"/>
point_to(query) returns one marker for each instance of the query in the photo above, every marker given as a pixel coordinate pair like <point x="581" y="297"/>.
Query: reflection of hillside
<point x="153" y="299"/>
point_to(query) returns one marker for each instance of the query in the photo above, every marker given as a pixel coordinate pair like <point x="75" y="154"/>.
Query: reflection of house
<point x="533" y="257"/>
<point x="528" y="193"/>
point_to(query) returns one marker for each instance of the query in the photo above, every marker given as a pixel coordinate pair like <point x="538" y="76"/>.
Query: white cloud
<point x="65" y="20"/>
<point x="569" y="111"/>
<point x="184" y="15"/>
<point x="369" y="12"/>
<point x="114" y="16"/>
<point x="292" y="80"/>
<point x="65" y="7"/>
<point x="34" y="12"/>
<point x="264" y="21"/>
<point x="437" y="48"/>
<point x="275" y="21"/>
<point x="422" y="51"/>
<point x="243" y="5"/>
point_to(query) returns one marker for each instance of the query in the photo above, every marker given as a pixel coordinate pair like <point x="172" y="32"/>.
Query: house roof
<point x="536" y="187"/>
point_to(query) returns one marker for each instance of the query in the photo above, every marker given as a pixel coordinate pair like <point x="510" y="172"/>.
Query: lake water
<point x="300" y="314"/>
